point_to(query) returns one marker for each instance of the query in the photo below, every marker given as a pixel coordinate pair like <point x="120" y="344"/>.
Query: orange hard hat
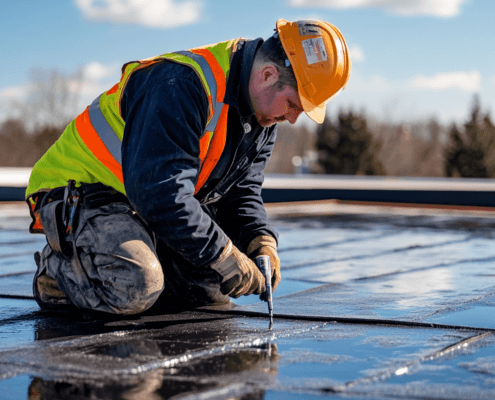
<point x="320" y="59"/>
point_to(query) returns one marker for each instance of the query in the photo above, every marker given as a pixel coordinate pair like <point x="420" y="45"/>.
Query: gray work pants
<point x="117" y="268"/>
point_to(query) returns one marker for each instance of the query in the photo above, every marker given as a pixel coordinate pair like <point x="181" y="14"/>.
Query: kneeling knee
<point x="136" y="293"/>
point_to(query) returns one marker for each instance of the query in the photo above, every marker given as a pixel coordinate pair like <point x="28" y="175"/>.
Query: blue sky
<point x="412" y="59"/>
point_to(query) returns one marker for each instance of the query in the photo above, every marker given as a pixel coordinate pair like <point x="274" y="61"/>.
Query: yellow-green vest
<point x="89" y="150"/>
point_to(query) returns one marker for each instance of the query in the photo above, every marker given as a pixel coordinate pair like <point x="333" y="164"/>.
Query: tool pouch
<point x="51" y="216"/>
<point x="55" y="212"/>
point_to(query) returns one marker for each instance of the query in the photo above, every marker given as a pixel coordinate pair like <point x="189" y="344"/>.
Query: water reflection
<point x="155" y="357"/>
<point x="208" y="374"/>
<point x="416" y="289"/>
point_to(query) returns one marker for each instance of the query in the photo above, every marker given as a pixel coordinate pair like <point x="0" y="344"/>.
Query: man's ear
<point x="267" y="76"/>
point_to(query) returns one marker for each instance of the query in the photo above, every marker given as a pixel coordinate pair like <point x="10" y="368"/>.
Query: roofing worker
<point x="153" y="194"/>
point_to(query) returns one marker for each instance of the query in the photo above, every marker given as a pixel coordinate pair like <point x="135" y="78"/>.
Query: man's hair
<point x="272" y="52"/>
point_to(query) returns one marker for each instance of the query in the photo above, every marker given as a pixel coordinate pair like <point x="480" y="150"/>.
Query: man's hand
<point x="266" y="246"/>
<point x="240" y="275"/>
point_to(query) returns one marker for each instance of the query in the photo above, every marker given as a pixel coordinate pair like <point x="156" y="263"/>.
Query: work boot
<point x="46" y="291"/>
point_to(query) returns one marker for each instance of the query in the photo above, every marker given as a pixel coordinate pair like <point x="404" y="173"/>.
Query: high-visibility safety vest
<point x="89" y="150"/>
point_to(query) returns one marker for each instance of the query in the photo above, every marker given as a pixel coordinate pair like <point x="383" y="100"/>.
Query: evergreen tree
<point x="347" y="147"/>
<point x="471" y="153"/>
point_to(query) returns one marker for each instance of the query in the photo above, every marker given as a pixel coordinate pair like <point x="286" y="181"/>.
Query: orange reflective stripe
<point x="113" y="89"/>
<point x="210" y="152"/>
<point x="215" y="149"/>
<point x="105" y="131"/>
<point x="92" y="140"/>
<point x="204" y="143"/>
<point x="217" y="70"/>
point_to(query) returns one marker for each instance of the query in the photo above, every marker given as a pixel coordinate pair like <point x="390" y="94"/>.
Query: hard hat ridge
<point x="276" y="37"/>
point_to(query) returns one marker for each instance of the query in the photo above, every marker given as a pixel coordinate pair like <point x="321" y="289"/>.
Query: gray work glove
<point x="240" y="275"/>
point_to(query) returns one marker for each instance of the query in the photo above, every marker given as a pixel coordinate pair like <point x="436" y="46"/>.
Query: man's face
<point x="272" y="105"/>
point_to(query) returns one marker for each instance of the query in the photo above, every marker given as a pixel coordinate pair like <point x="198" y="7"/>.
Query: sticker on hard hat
<point x="314" y="49"/>
<point x="308" y="28"/>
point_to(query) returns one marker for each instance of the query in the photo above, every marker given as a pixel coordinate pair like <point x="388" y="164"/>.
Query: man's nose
<point x="293" y="116"/>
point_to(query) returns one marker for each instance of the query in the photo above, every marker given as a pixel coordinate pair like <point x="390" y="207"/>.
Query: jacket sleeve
<point x="165" y="115"/>
<point x="240" y="211"/>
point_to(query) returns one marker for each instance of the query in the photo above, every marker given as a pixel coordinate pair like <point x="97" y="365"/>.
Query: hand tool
<point x="263" y="264"/>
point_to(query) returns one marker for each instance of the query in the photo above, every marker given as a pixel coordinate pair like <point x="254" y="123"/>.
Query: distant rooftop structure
<point x="371" y="189"/>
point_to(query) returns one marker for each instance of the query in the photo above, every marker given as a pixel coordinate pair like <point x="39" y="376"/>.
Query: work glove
<point x="240" y="276"/>
<point x="266" y="245"/>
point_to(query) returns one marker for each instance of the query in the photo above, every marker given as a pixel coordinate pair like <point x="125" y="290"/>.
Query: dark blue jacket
<point x="165" y="109"/>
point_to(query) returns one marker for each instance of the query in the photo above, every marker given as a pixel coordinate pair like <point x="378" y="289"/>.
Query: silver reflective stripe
<point x="216" y="115"/>
<point x="205" y="67"/>
<point x="104" y="130"/>
<point x="212" y="83"/>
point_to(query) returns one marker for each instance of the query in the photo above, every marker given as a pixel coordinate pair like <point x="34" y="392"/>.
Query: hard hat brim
<point x="316" y="113"/>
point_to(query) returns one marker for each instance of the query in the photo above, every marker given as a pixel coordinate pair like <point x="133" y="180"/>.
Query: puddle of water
<point x="367" y="246"/>
<point x="8" y="236"/>
<point x="15" y="243"/>
<point x="350" y="300"/>
<point x="404" y="296"/>
<point x="16" y="388"/>
<point x="343" y="354"/>
<point x="473" y="366"/>
<point x="18" y="263"/>
<point x="476" y="316"/>
<point x="284" y="288"/>
<point x="361" y="262"/>
<point x="148" y="386"/>
<point x="290" y="238"/>
<point x="390" y="313"/>
<point x="18" y="285"/>
<point x="272" y="395"/>
<point x="301" y="357"/>
<point x="14" y="330"/>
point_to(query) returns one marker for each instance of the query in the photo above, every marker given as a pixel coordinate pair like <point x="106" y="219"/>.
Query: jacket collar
<point x="237" y="91"/>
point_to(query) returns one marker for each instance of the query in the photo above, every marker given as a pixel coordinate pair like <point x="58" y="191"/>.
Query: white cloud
<point x="361" y="83"/>
<point x="14" y="93"/>
<point x="151" y="13"/>
<point x="86" y="84"/>
<point x="96" y="79"/>
<point x="398" y="100"/>
<point x="91" y="80"/>
<point x="356" y="54"/>
<point x="438" y="8"/>
<point x="97" y="71"/>
<point x="466" y="81"/>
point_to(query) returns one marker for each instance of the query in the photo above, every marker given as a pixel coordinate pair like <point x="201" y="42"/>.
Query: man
<point x="153" y="194"/>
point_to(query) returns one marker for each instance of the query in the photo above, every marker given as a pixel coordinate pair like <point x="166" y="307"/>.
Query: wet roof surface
<point x="373" y="304"/>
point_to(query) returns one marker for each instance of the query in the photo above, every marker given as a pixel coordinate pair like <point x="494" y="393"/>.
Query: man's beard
<point x="264" y="121"/>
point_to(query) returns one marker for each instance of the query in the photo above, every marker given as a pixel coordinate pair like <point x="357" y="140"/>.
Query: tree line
<point x="349" y="143"/>
<point x="353" y="144"/>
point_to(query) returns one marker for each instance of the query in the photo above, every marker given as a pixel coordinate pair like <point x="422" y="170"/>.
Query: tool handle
<point x="263" y="264"/>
